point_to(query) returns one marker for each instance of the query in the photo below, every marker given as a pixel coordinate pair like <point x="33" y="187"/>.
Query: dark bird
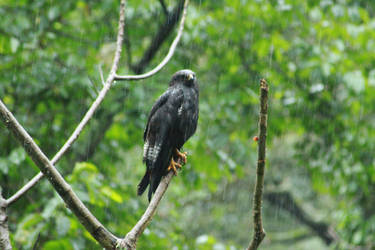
<point x="172" y="121"/>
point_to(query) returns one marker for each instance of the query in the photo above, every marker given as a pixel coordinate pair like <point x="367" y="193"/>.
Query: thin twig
<point x="163" y="32"/>
<point x="167" y="57"/>
<point x="130" y="240"/>
<point x="96" y="229"/>
<point x="90" y="112"/>
<point x="259" y="232"/>
<point x="111" y="77"/>
<point x="161" y="35"/>
<point x="4" y="229"/>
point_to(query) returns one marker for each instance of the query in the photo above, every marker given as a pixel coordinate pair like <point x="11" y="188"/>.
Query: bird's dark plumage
<point x="172" y="121"/>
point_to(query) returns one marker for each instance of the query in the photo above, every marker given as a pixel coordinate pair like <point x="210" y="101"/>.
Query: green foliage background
<point x="318" y="57"/>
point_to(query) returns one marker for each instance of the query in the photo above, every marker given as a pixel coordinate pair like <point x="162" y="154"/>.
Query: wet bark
<point x="259" y="232"/>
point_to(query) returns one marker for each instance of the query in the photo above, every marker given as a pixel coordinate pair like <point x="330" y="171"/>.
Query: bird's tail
<point x="154" y="183"/>
<point x="144" y="183"/>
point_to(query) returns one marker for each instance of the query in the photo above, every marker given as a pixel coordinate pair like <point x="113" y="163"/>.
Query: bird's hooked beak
<point x="190" y="77"/>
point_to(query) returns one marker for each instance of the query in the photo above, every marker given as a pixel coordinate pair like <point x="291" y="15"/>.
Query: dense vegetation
<point x="318" y="58"/>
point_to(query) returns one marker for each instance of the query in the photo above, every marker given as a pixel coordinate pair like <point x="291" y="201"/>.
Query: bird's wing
<point x="159" y="102"/>
<point x="188" y="116"/>
<point x="162" y="119"/>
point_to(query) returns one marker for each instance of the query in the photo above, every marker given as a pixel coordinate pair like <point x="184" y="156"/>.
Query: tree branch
<point x="108" y="83"/>
<point x="285" y="201"/>
<point x="259" y="232"/>
<point x="130" y="240"/>
<point x="90" y="112"/>
<point x="161" y="36"/>
<point x="4" y="230"/>
<point x="155" y="45"/>
<point x="99" y="133"/>
<point x="96" y="229"/>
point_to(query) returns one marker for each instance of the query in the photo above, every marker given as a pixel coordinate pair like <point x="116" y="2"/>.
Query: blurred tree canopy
<point x="318" y="58"/>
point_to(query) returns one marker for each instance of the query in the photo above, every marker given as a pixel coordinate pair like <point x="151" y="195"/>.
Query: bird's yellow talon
<point x="182" y="156"/>
<point x="174" y="166"/>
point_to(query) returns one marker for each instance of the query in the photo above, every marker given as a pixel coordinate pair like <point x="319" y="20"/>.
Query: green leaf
<point x="112" y="194"/>
<point x="84" y="166"/>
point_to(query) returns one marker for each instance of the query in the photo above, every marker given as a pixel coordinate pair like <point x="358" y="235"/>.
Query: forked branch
<point x="107" y="85"/>
<point x="259" y="232"/>
<point x="130" y="240"/>
<point x="164" y="30"/>
<point x="167" y="57"/>
<point x="96" y="229"/>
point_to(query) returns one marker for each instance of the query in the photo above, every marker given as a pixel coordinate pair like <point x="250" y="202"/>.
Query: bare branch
<point x="130" y="240"/>
<point x="4" y="230"/>
<point x="108" y="83"/>
<point x="161" y="35"/>
<point x="168" y="56"/>
<point x="103" y="92"/>
<point x="259" y="233"/>
<point x="90" y="112"/>
<point x="96" y="229"/>
<point x="163" y="32"/>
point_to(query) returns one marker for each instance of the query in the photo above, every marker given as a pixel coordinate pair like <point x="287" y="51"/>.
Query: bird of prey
<point x="172" y="121"/>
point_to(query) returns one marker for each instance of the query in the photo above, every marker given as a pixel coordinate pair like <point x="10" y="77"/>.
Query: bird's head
<point x="185" y="76"/>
